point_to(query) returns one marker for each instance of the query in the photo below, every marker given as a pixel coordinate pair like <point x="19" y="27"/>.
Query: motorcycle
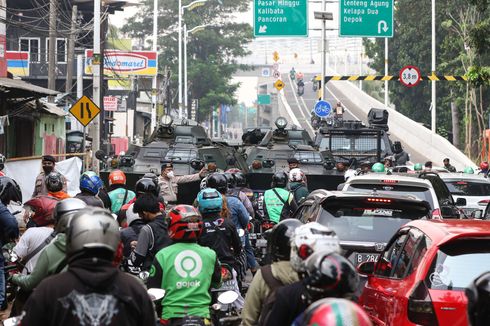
<point x="259" y="241"/>
<point x="301" y="90"/>
<point x="224" y="312"/>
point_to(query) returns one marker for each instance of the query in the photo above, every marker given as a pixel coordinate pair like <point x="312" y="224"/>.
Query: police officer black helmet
<point x="146" y="185"/>
<point x="279" y="241"/>
<point x="218" y="181"/>
<point x="54" y="183"/>
<point x="230" y="179"/>
<point x="478" y="294"/>
<point x="279" y="180"/>
<point x="240" y="179"/>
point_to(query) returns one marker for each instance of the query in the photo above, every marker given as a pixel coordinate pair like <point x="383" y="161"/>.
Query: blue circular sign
<point x="322" y="109"/>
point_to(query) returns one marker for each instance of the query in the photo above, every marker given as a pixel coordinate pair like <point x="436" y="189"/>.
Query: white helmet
<point x="309" y="238"/>
<point x="296" y="175"/>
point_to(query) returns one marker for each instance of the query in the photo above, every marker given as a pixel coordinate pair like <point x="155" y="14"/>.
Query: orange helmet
<point x="117" y="177"/>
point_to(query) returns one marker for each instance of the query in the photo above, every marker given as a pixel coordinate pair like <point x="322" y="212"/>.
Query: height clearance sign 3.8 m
<point x="366" y="18"/>
<point x="276" y="18"/>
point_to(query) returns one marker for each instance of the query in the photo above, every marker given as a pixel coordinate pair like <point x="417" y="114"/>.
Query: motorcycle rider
<point x="339" y="111"/>
<point x="48" y="164"/>
<point x="118" y="193"/>
<point x="9" y="227"/>
<point x="90" y="183"/>
<point x="276" y="197"/>
<point x="52" y="259"/>
<point x="301" y="87"/>
<point x="279" y="250"/>
<point x="241" y="183"/>
<point x="235" y="192"/>
<point x="92" y="290"/>
<point x="307" y="240"/>
<point x="153" y="236"/>
<point x="221" y="235"/>
<point x="401" y="157"/>
<point x="185" y="270"/>
<point x="11" y="198"/>
<point x="342" y="311"/>
<point x="54" y="185"/>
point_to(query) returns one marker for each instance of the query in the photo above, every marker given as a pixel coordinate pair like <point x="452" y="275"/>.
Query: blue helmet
<point x="91" y="182"/>
<point x="210" y="201"/>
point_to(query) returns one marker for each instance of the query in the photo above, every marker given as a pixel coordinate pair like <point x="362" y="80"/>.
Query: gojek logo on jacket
<point x="188" y="264"/>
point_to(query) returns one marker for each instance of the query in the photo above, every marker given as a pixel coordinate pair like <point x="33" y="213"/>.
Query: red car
<point x="421" y="275"/>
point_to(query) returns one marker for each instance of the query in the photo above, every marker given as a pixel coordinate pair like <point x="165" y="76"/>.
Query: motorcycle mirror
<point x="241" y="232"/>
<point x="144" y="275"/>
<point x="227" y="297"/>
<point x="216" y="306"/>
<point x="156" y="294"/>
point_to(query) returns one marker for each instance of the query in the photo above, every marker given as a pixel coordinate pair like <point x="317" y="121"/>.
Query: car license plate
<point x="361" y="258"/>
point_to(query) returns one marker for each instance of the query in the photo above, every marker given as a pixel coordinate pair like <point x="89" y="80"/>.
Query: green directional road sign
<point x="263" y="99"/>
<point x="366" y="18"/>
<point x="275" y="18"/>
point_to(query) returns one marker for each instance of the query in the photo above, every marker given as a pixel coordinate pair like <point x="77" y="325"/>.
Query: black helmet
<point x="240" y="179"/>
<point x="279" y="179"/>
<point x="54" y="183"/>
<point x="279" y="241"/>
<point x="218" y="181"/>
<point x="146" y="185"/>
<point x="64" y="211"/>
<point x="330" y="274"/>
<point x="478" y="294"/>
<point x="9" y="191"/>
<point x="230" y="180"/>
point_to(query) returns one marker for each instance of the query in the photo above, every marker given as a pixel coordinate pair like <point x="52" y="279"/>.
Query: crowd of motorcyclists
<point x="85" y="260"/>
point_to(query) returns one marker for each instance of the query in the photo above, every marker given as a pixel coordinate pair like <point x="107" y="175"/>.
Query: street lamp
<point x="190" y="6"/>
<point x="323" y="16"/>
<point x="186" y="34"/>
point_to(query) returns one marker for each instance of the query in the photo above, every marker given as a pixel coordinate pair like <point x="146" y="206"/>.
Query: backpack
<point x="274" y="284"/>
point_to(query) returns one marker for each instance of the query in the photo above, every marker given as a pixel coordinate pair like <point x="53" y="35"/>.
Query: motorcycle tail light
<point x="420" y="307"/>
<point x="225" y="274"/>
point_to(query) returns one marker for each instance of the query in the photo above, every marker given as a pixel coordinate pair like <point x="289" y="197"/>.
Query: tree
<point x="212" y="52"/>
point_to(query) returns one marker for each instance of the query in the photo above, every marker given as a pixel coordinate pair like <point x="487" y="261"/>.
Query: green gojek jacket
<point x="273" y="203"/>
<point x="47" y="264"/>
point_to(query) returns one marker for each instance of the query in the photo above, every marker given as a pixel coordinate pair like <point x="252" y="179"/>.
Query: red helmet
<point x="117" y="177"/>
<point x="184" y="223"/>
<point x="43" y="207"/>
<point x="484" y="165"/>
<point x="335" y="311"/>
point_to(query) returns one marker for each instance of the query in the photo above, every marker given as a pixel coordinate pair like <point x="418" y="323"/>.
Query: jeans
<point x="2" y="280"/>
<point x="251" y="262"/>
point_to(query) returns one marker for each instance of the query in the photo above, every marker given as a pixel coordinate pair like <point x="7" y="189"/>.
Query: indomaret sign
<point x="125" y="63"/>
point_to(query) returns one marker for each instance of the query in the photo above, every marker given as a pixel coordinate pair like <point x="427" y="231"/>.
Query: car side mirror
<point x="478" y="214"/>
<point x="197" y="164"/>
<point x="366" y="268"/>
<point x="461" y="202"/>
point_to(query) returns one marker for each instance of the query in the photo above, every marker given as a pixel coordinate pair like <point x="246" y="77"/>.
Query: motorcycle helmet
<point x="279" y="241"/>
<point x="204" y="183"/>
<point x="330" y="274"/>
<point x="335" y="311"/>
<point x="64" y="211"/>
<point x="230" y="179"/>
<point x="91" y="182"/>
<point x="240" y="179"/>
<point x="478" y="294"/>
<point x="378" y="167"/>
<point x="9" y="191"/>
<point x="296" y="175"/>
<point x="469" y="170"/>
<point x="279" y="180"/>
<point x="145" y="185"/>
<point x="2" y="161"/>
<point x="218" y="181"/>
<point x="117" y="177"/>
<point x="184" y="223"/>
<point x="418" y="167"/>
<point x="54" y="182"/>
<point x="210" y="201"/>
<point x="484" y="165"/>
<point x="42" y="208"/>
<point x="92" y="229"/>
<point x="309" y="238"/>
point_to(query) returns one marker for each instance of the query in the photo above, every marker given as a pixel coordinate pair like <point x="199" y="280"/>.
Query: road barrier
<point x="376" y="77"/>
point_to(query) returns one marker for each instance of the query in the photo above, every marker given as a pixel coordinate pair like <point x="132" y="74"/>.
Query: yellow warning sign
<point x="275" y="56"/>
<point x="279" y="84"/>
<point x="84" y="110"/>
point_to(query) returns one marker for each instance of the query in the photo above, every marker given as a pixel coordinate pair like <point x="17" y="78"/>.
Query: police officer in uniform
<point x="169" y="182"/>
<point x="48" y="164"/>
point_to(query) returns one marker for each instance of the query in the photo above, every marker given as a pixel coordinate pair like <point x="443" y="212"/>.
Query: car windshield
<point x="306" y="157"/>
<point x="180" y="155"/>
<point x="353" y="143"/>
<point x="458" y="263"/>
<point x="413" y="191"/>
<point x="468" y="188"/>
<point x="370" y="222"/>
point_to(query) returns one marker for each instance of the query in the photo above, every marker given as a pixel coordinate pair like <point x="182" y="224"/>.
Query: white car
<point x="475" y="188"/>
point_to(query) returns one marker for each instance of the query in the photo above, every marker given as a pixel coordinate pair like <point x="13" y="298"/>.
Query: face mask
<point x="48" y="169"/>
<point x="170" y="174"/>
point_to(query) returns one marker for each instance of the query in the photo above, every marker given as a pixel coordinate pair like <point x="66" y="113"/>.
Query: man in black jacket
<point x="92" y="291"/>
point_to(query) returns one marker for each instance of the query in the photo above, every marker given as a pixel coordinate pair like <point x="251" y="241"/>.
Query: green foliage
<point x="479" y="76"/>
<point x="212" y="52"/>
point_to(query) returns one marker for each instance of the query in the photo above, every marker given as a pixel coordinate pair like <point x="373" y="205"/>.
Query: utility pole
<point x="386" y="73"/>
<point x="52" y="47"/>
<point x="180" y="60"/>
<point x="3" y="39"/>
<point x="71" y="50"/>
<point x="433" y="65"/>
<point x="154" y="79"/>
<point x="96" y="82"/>
<point x="104" y="132"/>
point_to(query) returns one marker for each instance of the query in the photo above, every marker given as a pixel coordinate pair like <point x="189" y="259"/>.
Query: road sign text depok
<point x="280" y="18"/>
<point x="368" y="18"/>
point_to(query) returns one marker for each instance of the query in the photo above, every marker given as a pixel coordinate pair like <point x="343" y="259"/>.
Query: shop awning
<point x="16" y="88"/>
